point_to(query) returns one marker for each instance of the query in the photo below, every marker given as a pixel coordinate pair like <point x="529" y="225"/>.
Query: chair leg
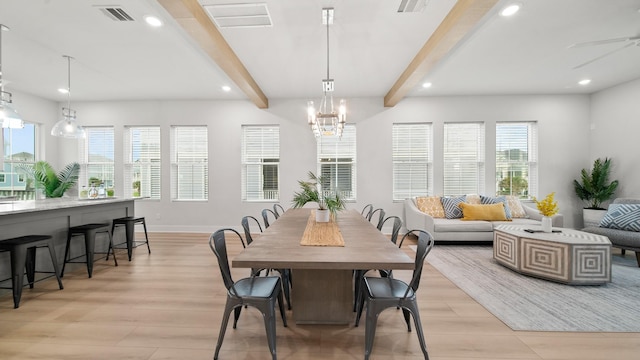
<point x="54" y="261"/>
<point x="223" y="328"/>
<point x="407" y="318"/>
<point x="370" y="328"/>
<point x="286" y="286"/>
<point x="358" y="275"/>
<point x="66" y="254"/>
<point x="269" y="317"/>
<point x="236" y="315"/>
<point x="115" y="261"/>
<point x="281" y="306"/>
<point x="360" y="304"/>
<point x="144" y="225"/>
<point x="30" y="265"/>
<point x="412" y="307"/>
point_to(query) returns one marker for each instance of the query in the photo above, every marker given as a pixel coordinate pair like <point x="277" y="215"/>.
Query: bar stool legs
<point x="129" y="222"/>
<point x="89" y="231"/>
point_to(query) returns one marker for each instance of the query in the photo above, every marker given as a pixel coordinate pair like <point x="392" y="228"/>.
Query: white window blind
<point x="142" y="161"/>
<point x="337" y="162"/>
<point x="260" y="162"/>
<point x="412" y="160"/>
<point x="463" y="158"/>
<point x="97" y="154"/>
<point x="517" y="159"/>
<point x="17" y="148"/>
<point x="189" y="163"/>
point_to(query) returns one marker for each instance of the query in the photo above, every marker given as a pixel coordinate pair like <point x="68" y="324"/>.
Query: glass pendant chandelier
<point x="8" y="116"/>
<point x="327" y="120"/>
<point x="68" y="127"/>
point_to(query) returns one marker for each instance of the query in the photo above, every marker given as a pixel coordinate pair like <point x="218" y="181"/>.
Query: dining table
<point x="322" y="273"/>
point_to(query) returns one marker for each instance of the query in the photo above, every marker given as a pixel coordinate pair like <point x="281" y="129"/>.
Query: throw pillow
<point x="494" y="200"/>
<point x="472" y="199"/>
<point x="490" y="212"/>
<point x="430" y="205"/>
<point x="517" y="211"/>
<point x="451" y="208"/>
<point x="622" y="217"/>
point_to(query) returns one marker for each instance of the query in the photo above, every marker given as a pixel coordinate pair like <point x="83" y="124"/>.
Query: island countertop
<point x="28" y="206"/>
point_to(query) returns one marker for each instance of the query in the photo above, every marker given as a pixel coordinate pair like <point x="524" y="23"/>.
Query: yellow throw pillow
<point x="430" y="205"/>
<point x="489" y="212"/>
<point x="517" y="211"/>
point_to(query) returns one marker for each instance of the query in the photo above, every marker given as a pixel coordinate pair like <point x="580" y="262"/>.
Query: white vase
<point x="546" y="224"/>
<point x="322" y="215"/>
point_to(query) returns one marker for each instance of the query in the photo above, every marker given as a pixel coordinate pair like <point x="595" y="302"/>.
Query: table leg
<point x="322" y="296"/>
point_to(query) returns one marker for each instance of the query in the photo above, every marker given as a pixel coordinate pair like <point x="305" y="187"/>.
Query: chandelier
<point x="68" y="127"/>
<point x="9" y="118"/>
<point x="326" y="120"/>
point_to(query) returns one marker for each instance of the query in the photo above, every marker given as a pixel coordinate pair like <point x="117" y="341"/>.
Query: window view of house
<point x="260" y="162"/>
<point x="97" y="166"/>
<point x="337" y="162"/>
<point x="19" y="150"/>
<point x="143" y="162"/>
<point x="516" y="159"/>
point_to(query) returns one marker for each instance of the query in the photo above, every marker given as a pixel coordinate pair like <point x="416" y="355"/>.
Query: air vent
<point x="239" y="15"/>
<point x="412" y="5"/>
<point x="116" y="13"/>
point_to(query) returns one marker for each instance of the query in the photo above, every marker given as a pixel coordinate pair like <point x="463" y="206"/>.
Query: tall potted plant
<point x="329" y="202"/>
<point x="594" y="188"/>
<point x="53" y="184"/>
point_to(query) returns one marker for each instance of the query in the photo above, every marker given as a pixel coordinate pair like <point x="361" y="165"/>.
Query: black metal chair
<point x="380" y="217"/>
<point x="129" y="223"/>
<point x="247" y="228"/>
<point x="259" y="292"/>
<point x="265" y="216"/>
<point x="382" y="293"/>
<point x="278" y="210"/>
<point x="367" y="210"/>
<point x="89" y="232"/>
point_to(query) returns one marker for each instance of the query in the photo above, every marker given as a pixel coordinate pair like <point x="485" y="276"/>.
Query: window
<point x="142" y="162"/>
<point x="337" y="162"/>
<point x="189" y="163"/>
<point x="517" y="159"/>
<point x="463" y="158"/>
<point x="19" y="149"/>
<point x="412" y="160"/>
<point x="97" y="164"/>
<point x="260" y="162"/>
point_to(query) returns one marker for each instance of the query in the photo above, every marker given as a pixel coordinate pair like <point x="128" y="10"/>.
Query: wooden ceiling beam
<point x="462" y="18"/>
<point x="195" y="21"/>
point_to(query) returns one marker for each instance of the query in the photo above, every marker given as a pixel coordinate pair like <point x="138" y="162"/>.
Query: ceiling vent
<point x="412" y="5"/>
<point x="239" y="15"/>
<point x="115" y="13"/>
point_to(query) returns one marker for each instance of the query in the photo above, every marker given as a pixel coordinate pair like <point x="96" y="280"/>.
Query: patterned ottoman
<point x="569" y="257"/>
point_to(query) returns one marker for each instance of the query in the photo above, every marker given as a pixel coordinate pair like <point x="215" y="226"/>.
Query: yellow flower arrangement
<point x="547" y="207"/>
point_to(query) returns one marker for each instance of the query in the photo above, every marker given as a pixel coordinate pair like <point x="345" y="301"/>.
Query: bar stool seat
<point x="23" y="255"/>
<point x="89" y="231"/>
<point x="129" y="222"/>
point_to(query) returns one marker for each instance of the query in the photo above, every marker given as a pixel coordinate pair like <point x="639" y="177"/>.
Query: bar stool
<point x="129" y="222"/>
<point x="89" y="231"/>
<point x="23" y="254"/>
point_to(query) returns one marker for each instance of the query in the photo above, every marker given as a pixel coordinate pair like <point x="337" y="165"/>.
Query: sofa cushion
<point x="489" y="212"/>
<point x="456" y="225"/>
<point x="495" y="200"/>
<point x="451" y="208"/>
<point x="430" y="205"/>
<point x="472" y="199"/>
<point x="517" y="211"/>
<point x="622" y="217"/>
<point x="623" y="238"/>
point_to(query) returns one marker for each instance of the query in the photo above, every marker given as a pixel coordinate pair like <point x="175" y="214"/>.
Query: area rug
<point x="526" y="303"/>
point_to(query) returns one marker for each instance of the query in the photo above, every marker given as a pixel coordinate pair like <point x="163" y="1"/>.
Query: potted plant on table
<point x="53" y="184"/>
<point x="595" y="188"/>
<point x="329" y="202"/>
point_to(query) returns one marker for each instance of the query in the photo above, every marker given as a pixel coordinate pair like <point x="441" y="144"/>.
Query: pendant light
<point x="8" y="116"/>
<point x="68" y="127"/>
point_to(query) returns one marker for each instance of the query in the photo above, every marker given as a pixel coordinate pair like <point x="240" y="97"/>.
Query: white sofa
<point x="465" y="230"/>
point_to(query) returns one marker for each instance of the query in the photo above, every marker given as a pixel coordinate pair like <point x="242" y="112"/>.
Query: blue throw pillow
<point x="622" y="217"/>
<point x="487" y="200"/>
<point x="451" y="208"/>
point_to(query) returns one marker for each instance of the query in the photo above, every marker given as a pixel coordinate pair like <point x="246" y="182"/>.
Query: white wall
<point x="615" y="129"/>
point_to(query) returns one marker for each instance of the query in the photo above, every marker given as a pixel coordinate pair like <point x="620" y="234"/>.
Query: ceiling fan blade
<point x="604" y="55"/>
<point x="601" y="42"/>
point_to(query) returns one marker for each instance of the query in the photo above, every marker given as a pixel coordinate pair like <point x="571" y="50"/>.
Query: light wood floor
<point x="168" y="305"/>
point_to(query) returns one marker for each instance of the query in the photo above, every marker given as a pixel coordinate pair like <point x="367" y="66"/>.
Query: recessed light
<point x="426" y="85"/>
<point x="63" y="90"/>
<point x="510" y="10"/>
<point x="226" y="88"/>
<point x="153" y="21"/>
<point x="584" y="82"/>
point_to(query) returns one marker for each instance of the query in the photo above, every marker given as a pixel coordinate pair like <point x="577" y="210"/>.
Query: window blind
<point x="260" y="162"/>
<point x="412" y="152"/>
<point x="98" y="155"/>
<point x="142" y="175"/>
<point x="516" y="158"/>
<point x="17" y="146"/>
<point x="463" y="158"/>
<point x="189" y="163"/>
<point x="337" y="162"/>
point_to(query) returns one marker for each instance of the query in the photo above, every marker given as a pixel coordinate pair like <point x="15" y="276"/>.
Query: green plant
<point x="326" y="199"/>
<point x="595" y="186"/>
<point x="54" y="184"/>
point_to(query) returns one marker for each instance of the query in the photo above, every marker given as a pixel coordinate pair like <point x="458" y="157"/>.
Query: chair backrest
<point x="265" y="216"/>
<point x="217" y="243"/>
<point x="410" y="232"/>
<point x="425" y="244"/>
<point x="278" y="210"/>
<point x="247" y="228"/>
<point x="380" y="217"/>
<point x="366" y="211"/>
<point x="397" y="224"/>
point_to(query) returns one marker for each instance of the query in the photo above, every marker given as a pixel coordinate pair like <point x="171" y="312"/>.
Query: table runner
<point x="321" y="234"/>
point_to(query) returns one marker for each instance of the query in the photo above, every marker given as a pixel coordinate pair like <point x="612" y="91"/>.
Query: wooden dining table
<point x="322" y="276"/>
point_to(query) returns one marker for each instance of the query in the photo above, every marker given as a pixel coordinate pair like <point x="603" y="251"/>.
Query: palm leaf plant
<point x="595" y="186"/>
<point x="311" y="191"/>
<point x="53" y="184"/>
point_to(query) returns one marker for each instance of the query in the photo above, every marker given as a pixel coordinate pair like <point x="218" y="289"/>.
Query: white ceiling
<point x="371" y="45"/>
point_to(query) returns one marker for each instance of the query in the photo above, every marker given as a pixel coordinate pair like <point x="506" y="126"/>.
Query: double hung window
<point x="142" y="175"/>
<point x="463" y="158"/>
<point x="516" y="159"/>
<point x="189" y="163"/>
<point x="97" y="166"/>
<point x="337" y="162"/>
<point x="412" y="160"/>
<point x="260" y="162"/>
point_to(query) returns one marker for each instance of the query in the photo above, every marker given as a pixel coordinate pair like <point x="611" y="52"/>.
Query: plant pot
<point x="546" y="224"/>
<point x="592" y="217"/>
<point x="322" y="215"/>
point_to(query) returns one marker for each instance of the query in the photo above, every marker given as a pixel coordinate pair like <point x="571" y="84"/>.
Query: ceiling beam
<point x="462" y="18"/>
<point x="194" y="20"/>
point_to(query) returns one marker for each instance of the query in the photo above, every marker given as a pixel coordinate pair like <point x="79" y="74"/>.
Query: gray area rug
<point x="526" y="303"/>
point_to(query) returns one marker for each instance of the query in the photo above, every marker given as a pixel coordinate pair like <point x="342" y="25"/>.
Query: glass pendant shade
<point x="68" y="127"/>
<point x="9" y="117"/>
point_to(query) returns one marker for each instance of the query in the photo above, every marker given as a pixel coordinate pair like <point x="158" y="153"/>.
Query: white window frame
<point x="510" y="137"/>
<point x="260" y="163"/>
<point x="412" y="158"/>
<point x="143" y="162"/>
<point x="464" y="158"/>
<point x="97" y="154"/>
<point x="189" y="162"/>
<point x="339" y="153"/>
